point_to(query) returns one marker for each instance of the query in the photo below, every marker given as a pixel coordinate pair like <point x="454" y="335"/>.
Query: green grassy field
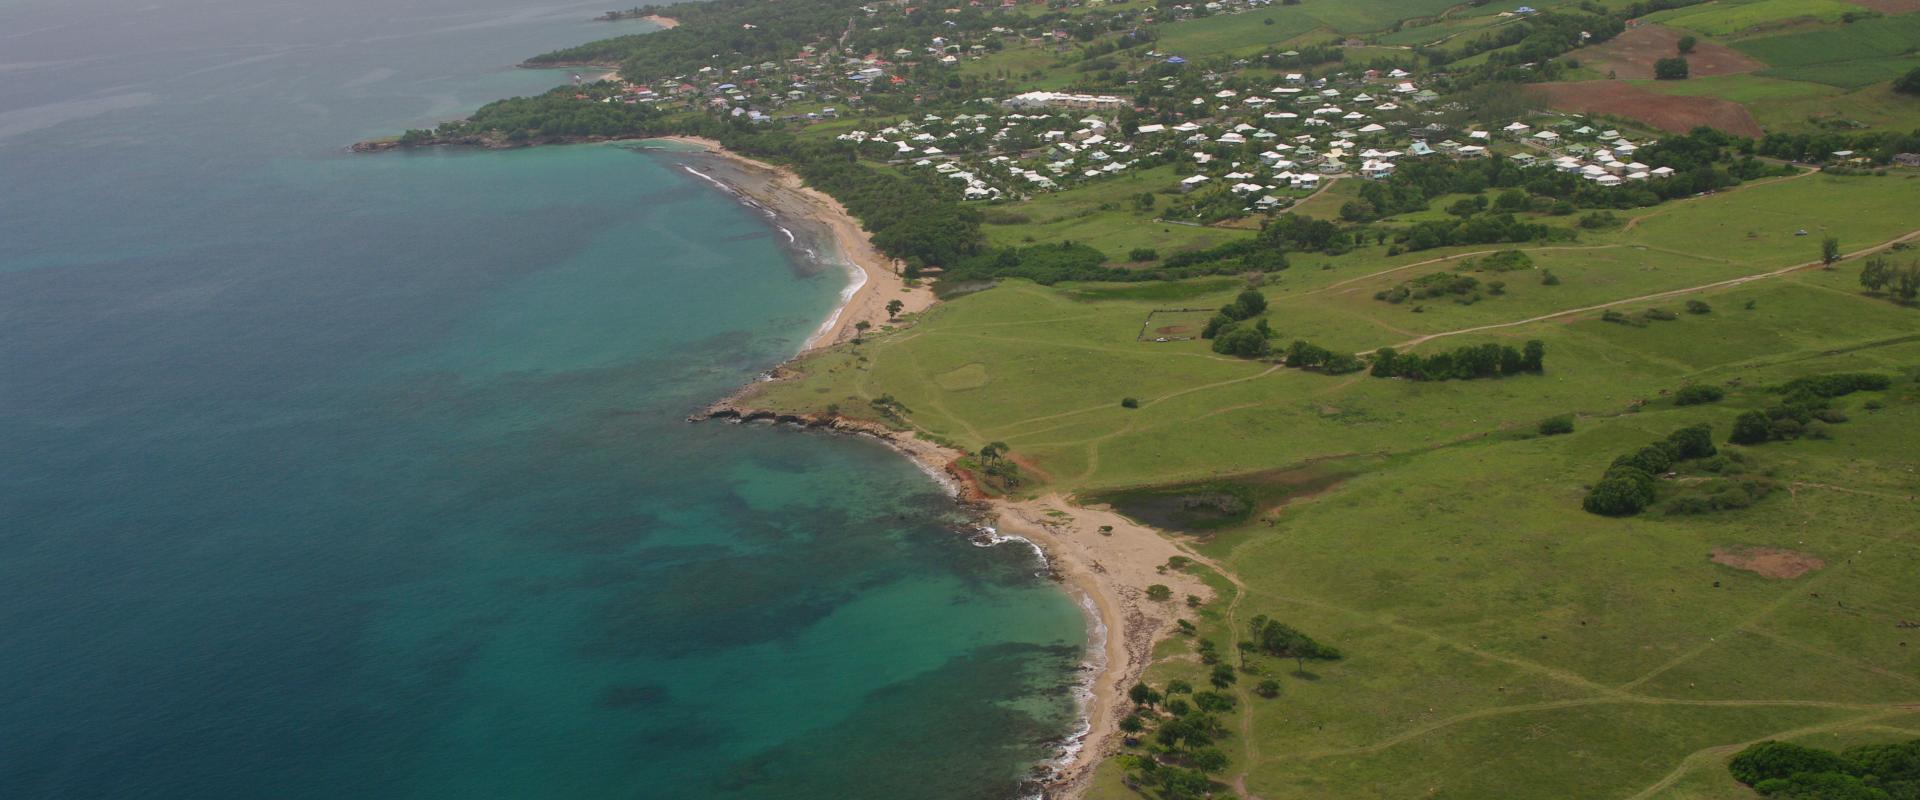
<point x="1427" y="532"/>
<point x="1848" y="56"/>
<point x="1723" y="18"/>
<point x="1237" y="34"/>
<point x="1102" y="214"/>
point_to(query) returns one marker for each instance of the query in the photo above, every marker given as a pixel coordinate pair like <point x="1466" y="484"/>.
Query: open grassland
<point x="1723" y="18"/>
<point x="1848" y="56"/>
<point x="1235" y="34"/>
<point x="1020" y="343"/>
<point x="1104" y="216"/>
<point x="1499" y="641"/>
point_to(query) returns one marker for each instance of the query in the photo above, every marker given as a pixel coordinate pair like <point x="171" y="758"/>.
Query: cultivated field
<point x="1631" y="55"/>
<point x="1848" y="56"/>
<point x="1678" y="114"/>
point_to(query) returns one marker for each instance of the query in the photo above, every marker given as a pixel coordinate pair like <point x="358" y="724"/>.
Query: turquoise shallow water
<point x="332" y="476"/>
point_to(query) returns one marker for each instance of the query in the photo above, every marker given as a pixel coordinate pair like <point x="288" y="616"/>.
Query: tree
<point x="1554" y="426"/>
<point x="1771" y="760"/>
<point x="1143" y="695"/>
<point x="894" y="307"/>
<point x="860" y="328"/>
<point x="1222" y="676"/>
<point x="1243" y="342"/>
<point x="993" y="451"/>
<point x="1624" y="492"/>
<point x="1178" y="686"/>
<point x="1159" y="591"/>
<point x="1686" y="43"/>
<point x="1698" y="307"/>
<point x="1752" y="427"/>
<point x="1533" y="356"/>
<point x="1268" y="688"/>
<point x="1670" y="69"/>
<point x="1693" y="441"/>
<point x="1829" y="251"/>
<point x="1908" y="83"/>
<point x="1208" y="760"/>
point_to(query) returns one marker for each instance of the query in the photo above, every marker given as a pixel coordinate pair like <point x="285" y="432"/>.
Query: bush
<point x="1554" y="426"/>
<point x="1670" y="69"/>
<point x="1659" y="315"/>
<point x="1547" y="278"/>
<point x="1143" y="254"/>
<point x="1693" y="441"/>
<point x="1697" y="394"/>
<point x="1698" y="307"/>
<point x="1128" y="402"/>
<point x="1751" y="427"/>
<point x="1268" y="688"/>
<point x="1625" y="492"/>
<point x="1159" y="592"/>
<point x="1908" y="83"/>
<point x="1772" y="760"/>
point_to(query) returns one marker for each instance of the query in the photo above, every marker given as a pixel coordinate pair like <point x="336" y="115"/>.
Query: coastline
<point x="873" y="281"/>
<point x="1106" y="573"/>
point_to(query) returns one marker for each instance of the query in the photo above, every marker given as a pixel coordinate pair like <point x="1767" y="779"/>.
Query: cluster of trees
<point x="1463" y="363"/>
<point x="1298" y="233"/>
<point x="1878" y="147"/>
<point x="1864" y="772"/>
<point x="1670" y="69"/>
<point x="1900" y="281"/>
<point x="1628" y="486"/>
<point x="1181" y="752"/>
<point x="1040" y="263"/>
<point x="1277" y="639"/>
<point x="1908" y="83"/>
<point x="564" y="113"/>
<point x="1230" y="333"/>
<point x="1303" y="354"/>
<point x="1435" y="285"/>
<point x="1805" y="402"/>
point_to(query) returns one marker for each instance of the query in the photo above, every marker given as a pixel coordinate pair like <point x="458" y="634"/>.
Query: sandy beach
<point x="874" y="280"/>
<point x="665" y="23"/>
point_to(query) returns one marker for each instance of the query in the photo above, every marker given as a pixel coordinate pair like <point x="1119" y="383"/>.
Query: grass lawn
<point x="1848" y="56"/>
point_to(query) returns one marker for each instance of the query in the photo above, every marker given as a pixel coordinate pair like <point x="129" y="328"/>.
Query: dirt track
<point x="1631" y="55"/>
<point x="1666" y="112"/>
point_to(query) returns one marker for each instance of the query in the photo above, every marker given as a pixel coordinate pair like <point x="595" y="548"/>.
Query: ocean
<point x="327" y="475"/>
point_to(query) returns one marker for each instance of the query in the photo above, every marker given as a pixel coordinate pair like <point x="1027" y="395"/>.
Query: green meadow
<point x="1723" y="18"/>
<point x="1848" y="56"/>
<point x="1498" y="641"/>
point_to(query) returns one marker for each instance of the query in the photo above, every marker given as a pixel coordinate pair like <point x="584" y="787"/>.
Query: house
<point x="1192" y="183"/>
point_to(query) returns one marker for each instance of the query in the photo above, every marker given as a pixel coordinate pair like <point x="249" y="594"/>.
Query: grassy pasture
<point x="1723" y="18"/>
<point x="1103" y="215"/>
<point x="1794" y="106"/>
<point x="1235" y="34"/>
<point x="1849" y="56"/>
<point x="1426" y="531"/>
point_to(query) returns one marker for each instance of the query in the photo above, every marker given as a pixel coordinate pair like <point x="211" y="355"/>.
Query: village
<point x="1241" y="144"/>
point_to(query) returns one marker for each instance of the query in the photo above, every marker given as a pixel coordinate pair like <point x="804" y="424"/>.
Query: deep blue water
<point x="331" y="476"/>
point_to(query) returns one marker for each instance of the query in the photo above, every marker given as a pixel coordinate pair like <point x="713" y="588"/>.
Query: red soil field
<point x="1631" y="55"/>
<point x="1666" y="112"/>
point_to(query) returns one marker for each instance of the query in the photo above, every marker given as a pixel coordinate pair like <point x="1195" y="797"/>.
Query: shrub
<point x="1547" y="278"/>
<point x="1159" y="592"/>
<point x="1693" y="441"/>
<point x="1268" y="688"/>
<point x="1670" y="69"/>
<point x="1624" y="492"/>
<point x="1554" y="426"/>
<point x="1659" y="315"/>
<point x="1128" y="402"/>
<point x="1771" y="760"/>
<point x="1143" y="254"/>
<point x="1698" y="307"/>
<point x="1751" y="427"/>
<point x="1697" y="394"/>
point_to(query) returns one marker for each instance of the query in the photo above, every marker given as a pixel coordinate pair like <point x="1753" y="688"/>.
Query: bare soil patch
<point x="1768" y="562"/>
<point x="1631" y="55"/>
<point x="1666" y="112"/>
<point x="1169" y="329"/>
